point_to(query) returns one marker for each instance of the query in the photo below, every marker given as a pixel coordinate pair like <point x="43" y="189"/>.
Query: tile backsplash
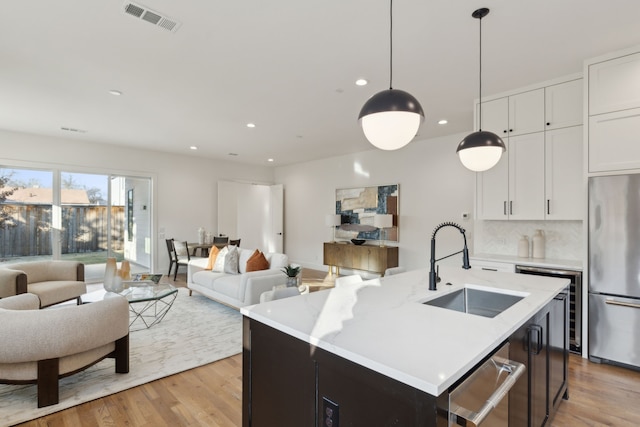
<point x="564" y="239"/>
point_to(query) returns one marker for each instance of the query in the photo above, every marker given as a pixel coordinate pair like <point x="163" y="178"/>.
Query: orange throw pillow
<point x="257" y="262"/>
<point x="213" y="254"/>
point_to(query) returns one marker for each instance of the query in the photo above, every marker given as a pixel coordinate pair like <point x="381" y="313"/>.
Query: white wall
<point x="184" y="187"/>
<point x="433" y="187"/>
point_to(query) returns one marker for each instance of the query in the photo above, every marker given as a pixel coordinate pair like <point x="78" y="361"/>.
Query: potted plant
<point x="292" y="274"/>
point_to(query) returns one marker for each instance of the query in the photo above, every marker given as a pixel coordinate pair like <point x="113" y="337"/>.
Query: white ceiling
<point x="289" y="66"/>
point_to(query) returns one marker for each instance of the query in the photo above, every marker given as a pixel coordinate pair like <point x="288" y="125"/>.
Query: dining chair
<point x="181" y="252"/>
<point x="172" y="255"/>
<point x="220" y="239"/>
<point x="234" y="242"/>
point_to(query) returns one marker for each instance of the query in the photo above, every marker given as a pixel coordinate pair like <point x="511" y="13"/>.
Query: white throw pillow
<point x="220" y="259"/>
<point x="231" y="260"/>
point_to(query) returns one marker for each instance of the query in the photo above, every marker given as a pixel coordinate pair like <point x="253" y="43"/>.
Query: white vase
<point x="201" y="234"/>
<point x="523" y="247"/>
<point x="110" y="272"/>
<point x="538" y="244"/>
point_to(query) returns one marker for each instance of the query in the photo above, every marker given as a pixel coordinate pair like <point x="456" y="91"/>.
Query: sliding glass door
<point x="50" y="214"/>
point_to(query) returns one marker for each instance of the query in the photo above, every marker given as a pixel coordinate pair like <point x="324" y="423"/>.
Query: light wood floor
<point x="211" y="395"/>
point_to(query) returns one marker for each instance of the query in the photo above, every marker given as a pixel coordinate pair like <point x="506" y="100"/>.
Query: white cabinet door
<point x="614" y="85"/>
<point x="492" y="190"/>
<point x="526" y="176"/>
<point x="613" y="141"/>
<point x="563" y="105"/>
<point x="563" y="174"/>
<point x="526" y="112"/>
<point x="495" y="116"/>
<point x="507" y="267"/>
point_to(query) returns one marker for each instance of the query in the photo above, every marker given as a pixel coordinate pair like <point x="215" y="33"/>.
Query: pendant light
<point x="390" y="119"/>
<point x="481" y="150"/>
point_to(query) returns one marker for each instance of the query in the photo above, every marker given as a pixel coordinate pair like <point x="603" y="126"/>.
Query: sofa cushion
<point x="277" y="260"/>
<point x="218" y="266"/>
<point x="257" y="262"/>
<point x="231" y="260"/>
<point x="206" y="278"/>
<point x="245" y="254"/>
<point x="213" y="254"/>
<point x="228" y="285"/>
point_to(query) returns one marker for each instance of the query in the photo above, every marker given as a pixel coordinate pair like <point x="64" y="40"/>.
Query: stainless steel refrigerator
<point x="614" y="269"/>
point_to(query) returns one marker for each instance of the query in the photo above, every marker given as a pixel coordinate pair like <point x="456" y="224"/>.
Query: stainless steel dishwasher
<point x="483" y="397"/>
<point x="575" y="299"/>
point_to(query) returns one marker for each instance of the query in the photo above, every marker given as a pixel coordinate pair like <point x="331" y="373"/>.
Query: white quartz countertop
<point x="566" y="264"/>
<point x="382" y="324"/>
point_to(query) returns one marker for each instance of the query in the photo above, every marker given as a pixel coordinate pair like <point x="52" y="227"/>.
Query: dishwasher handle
<point x="466" y="417"/>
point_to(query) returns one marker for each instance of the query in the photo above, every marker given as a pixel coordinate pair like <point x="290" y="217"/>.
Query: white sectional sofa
<point x="237" y="290"/>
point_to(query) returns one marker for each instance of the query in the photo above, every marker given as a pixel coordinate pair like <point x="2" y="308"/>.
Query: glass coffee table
<point x="148" y="303"/>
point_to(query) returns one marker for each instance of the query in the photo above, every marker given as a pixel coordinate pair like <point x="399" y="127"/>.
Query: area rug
<point x="195" y="331"/>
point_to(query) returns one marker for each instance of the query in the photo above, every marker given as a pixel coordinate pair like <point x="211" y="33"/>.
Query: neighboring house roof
<point x="44" y="196"/>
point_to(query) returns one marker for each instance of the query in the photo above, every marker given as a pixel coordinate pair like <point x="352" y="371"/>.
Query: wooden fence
<point x="84" y="229"/>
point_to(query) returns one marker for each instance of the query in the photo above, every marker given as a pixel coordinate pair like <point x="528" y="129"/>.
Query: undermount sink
<point x="481" y="301"/>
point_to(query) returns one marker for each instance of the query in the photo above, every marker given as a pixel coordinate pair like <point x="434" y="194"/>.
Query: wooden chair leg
<point x="48" y="371"/>
<point x="121" y="354"/>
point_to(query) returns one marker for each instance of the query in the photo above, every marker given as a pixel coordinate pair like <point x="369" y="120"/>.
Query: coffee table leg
<point x="157" y="313"/>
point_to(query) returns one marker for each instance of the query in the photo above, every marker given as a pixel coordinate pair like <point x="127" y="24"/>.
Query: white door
<point x="276" y="243"/>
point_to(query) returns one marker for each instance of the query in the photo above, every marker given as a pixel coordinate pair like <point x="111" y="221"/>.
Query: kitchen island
<point x="383" y="327"/>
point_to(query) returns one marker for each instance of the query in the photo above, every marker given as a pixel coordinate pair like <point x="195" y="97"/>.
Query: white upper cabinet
<point x="514" y="188"/>
<point x="526" y="112"/>
<point x="614" y="113"/>
<point x="540" y="177"/>
<point x="526" y="176"/>
<point x="514" y="115"/>
<point x="492" y="190"/>
<point x="614" y="85"/>
<point x="563" y="174"/>
<point x="563" y="105"/>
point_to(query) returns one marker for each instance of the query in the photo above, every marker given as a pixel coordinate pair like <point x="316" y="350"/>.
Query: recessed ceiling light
<point x="443" y="122"/>
<point x="269" y="160"/>
<point x="362" y="82"/>
<point x="115" y="92"/>
<point x="193" y="147"/>
<point x="251" y="125"/>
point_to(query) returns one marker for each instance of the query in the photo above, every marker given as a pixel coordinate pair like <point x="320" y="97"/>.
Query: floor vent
<point x="151" y="16"/>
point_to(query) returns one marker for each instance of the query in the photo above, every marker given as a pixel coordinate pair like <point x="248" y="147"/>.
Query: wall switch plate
<point x="330" y="413"/>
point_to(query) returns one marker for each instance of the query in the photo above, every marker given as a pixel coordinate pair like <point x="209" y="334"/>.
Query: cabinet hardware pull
<point x="622" y="304"/>
<point x="510" y="207"/>
<point x="548" y="206"/>
<point x="504" y="131"/>
<point x="489" y="269"/>
<point x="504" y="208"/>
<point x="510" y="130"/>
<point x="548" y="124"/>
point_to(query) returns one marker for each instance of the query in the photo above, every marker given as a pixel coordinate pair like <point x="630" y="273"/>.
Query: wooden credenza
<point x="371" y="258"/>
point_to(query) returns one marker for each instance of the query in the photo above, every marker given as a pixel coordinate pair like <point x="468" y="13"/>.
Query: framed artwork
<point x="357" y="208"/>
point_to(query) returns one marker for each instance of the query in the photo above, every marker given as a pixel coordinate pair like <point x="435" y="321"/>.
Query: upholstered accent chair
<point x="52" y="281"/>
<point x="41" y="346"/>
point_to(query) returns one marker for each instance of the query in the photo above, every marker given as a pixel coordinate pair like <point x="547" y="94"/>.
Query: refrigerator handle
<point x="621" y="303"/>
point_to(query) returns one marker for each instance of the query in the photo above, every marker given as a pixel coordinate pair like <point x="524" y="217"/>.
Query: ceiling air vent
<point x="151" y="16"/>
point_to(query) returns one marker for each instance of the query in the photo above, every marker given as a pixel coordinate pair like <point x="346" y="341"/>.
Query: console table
<point x="371" y="258"/>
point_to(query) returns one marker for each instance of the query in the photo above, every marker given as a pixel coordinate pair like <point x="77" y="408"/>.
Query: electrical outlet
<point x="330" y="413"/>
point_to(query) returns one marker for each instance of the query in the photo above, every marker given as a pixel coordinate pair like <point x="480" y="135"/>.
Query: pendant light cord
<point x="390" y="44"/>
<point x="480" y="85"/>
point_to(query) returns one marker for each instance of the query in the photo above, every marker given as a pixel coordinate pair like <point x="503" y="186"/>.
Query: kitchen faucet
<point x="433" y="275"/>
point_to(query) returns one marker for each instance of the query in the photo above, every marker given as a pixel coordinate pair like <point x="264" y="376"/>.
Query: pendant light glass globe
<point x="480" y="151"/>
<point x="390" y="119"/>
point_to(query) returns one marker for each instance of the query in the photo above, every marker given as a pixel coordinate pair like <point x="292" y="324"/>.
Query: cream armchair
<point x="53" y="281"/>
<point x="41" y="346"/>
